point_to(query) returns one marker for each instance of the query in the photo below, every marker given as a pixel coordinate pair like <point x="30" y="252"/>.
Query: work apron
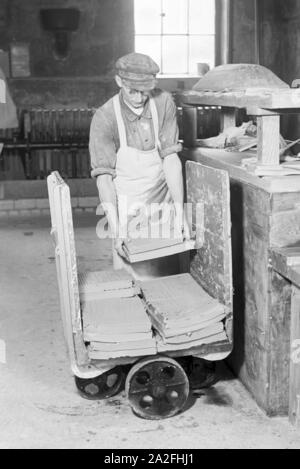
<point x="140" y="182"/>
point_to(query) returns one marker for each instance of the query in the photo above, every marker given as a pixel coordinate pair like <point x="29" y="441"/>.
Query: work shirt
<point x="104" y="137"/>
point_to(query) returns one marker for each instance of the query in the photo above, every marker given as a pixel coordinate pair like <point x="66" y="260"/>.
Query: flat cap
<point x="137" y="71"/>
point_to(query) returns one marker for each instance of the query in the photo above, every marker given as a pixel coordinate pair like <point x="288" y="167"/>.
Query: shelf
<point x="283" y="100"/>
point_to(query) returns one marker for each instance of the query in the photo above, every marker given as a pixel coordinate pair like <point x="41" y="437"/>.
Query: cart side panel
<point x="62" y="230"/>
<point x="52" y="183"/>
<point x="211" y="263"/>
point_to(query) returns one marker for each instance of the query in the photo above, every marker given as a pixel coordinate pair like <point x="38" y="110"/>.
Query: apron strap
<point x="155" y="121"/>
<point x="120" y="122"/>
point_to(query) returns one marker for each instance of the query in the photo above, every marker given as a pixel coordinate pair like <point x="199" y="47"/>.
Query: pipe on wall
<point x="223" y="32"/>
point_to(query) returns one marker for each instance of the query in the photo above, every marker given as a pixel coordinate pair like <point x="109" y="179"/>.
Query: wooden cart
<point x="167" y="386"/>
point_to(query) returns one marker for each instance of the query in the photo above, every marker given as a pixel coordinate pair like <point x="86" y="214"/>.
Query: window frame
<point x="188" y="35"/>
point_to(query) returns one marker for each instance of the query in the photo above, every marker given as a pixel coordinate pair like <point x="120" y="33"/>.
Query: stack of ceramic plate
<point x="182" y="313"/>
<point x="115" y="322"/>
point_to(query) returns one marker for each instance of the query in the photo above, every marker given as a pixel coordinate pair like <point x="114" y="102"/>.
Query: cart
<point x="156" y="386"/>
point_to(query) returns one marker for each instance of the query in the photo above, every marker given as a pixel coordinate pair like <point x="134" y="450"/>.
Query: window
<point x="177" y="34"/>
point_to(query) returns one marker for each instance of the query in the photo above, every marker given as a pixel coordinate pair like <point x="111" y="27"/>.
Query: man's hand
<point x="118" y="245"/>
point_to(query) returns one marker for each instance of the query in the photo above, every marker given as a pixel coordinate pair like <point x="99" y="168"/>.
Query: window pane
<point x="147" y="16"/>
<point x="174" y="57"/>
<point x="202" y="16"/>
<point x="202" y="49"/>
<point x="175" y="16"/>
<point x="149" y="45"/>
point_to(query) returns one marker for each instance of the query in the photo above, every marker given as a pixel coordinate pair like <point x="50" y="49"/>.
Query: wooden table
<point x="266" y="105"/>
<point x="265" y="213"/>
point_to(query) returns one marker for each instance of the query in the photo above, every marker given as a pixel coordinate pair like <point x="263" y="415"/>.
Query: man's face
<point x="135" y="98"/>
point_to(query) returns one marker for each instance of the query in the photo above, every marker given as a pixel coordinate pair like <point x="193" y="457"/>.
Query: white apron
<point x="140" y="181"/>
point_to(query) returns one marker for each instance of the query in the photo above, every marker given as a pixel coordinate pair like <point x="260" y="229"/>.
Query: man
<point x="133" y="148"/>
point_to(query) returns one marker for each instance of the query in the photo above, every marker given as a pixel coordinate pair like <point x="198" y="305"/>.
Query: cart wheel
<point x="103" y="386"/>
<point x="202" y="373"/>
<point x="157" y="387"/>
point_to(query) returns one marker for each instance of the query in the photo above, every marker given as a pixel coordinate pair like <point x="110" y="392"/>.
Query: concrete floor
<point x="39" y="404"/>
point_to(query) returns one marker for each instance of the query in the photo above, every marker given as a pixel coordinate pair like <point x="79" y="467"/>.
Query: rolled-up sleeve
<point x="102" y="145"/>
<point x="169" y="132"/>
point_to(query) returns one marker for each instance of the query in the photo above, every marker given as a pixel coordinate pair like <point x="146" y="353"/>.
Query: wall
<point x="280" y="50"/>
<point x="243" y="31"/>
<point x="270" y="33"/>
<point x="279" y="44"/>
<point x="272" y="37"/>
<point x="280" y="38"/>
<point x="290" y="13"/>
<point x="278" y="31"/>
<point x="105" y="33"/>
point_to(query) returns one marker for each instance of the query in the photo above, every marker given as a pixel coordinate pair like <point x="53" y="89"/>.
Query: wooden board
<point x="100" y="355"/>
<point x="214" y="338"/>
<point x="117" y="327"/>
<point x="146" y="249"/>
<point x="2" y="91"/>
<point x="282" y="258"/>
<point x="104" y="280"/>
<point x="285" y="228"/>
<point x="294" y="371"/>
<point x="285" y="99"/>
<point x="215" y="351"/>
<point x="65" y="255"/>
<point x="118" y="293"/>
<point x="142" y="245"/>
<point x="268" y="132"/>
<point x="280" y="264"/>
<point x="108" y="350"/>
<point x="178" y="305"/>
<point x="278" y="344"/>
<point x="251" y="357"/>
<point x="183" y="315"/>
<point x="120" y="316"/>
<point x="228" y="118"/>
<point x="240" y="77"/>
<point x="262" y="301"/>
<point x="106" y="284"/>
<point x="193" y="336"/>
<point x="211" y="265"/>
<point x="232" y="163"/>
<point x="138" y="344"/>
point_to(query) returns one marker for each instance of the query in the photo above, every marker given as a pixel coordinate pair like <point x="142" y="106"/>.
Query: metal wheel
<point x="103" y="386"/>
<point x="201" y="373"/>
<point x="157" y="387"/>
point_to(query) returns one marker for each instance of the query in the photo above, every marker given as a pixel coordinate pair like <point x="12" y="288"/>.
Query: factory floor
<point x="39" y="404"/>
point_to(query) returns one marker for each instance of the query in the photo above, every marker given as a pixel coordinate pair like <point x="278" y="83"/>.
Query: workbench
<point x="265" y="215"/>
<point x="286" y="262"/>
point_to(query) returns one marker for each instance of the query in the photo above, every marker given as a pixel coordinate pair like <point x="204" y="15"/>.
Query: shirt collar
<point x="129" y="114"/>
